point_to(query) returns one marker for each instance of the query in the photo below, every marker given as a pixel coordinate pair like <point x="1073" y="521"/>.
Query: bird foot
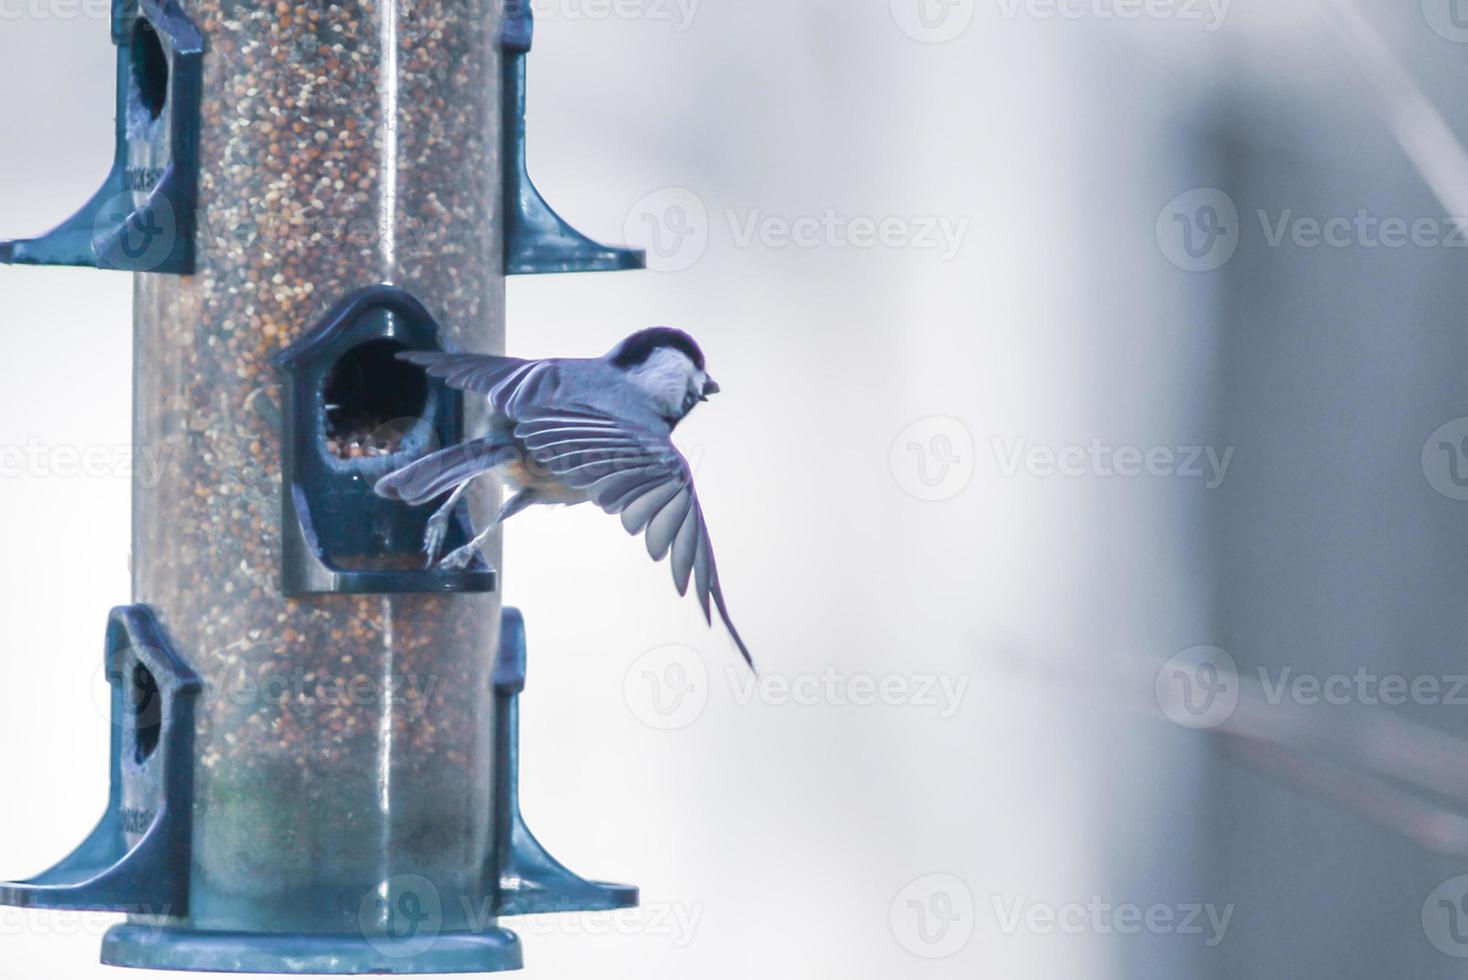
<point x="459" y="559"/>
<point x="433" y="540"/>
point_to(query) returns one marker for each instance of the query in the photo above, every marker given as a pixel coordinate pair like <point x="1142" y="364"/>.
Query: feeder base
<point x="157" y="948"/>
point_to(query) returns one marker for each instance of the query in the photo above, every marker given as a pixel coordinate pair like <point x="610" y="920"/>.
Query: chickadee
<point x="569" y="430"/>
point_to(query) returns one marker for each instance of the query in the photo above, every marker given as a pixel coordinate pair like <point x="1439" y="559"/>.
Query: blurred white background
<point x="877" y="482"/>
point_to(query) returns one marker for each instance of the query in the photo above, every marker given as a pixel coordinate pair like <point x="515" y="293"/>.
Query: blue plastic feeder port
<point x="144" y="216"/>
<point x="352" y="414"/>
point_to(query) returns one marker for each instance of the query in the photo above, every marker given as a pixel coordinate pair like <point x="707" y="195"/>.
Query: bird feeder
<point x="314" y="758"/>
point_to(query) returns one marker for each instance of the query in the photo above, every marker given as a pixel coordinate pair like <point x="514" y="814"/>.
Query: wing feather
<point x="702" y="565"/>
<point x="473" y="372"/>
<point x="635" y="472"/>
<point x="665" y="525"/>
<point x="685" y="546"/>
<point x="623" y="490"/>
<point x="640" y="513"/>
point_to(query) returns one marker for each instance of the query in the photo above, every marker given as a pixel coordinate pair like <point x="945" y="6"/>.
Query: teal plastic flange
<point x="137" y="858"/>
<point x="530" y="880"/>
<point x="143" y="217"/>
<point x="538" y="240"/>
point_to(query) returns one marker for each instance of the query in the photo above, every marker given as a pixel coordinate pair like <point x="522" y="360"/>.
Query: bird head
<point x="668" y="366"/>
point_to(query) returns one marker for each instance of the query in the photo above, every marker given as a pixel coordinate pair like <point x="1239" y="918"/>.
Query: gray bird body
<point x="573" y="430"/>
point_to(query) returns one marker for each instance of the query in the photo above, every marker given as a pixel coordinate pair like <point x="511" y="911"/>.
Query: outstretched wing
<point x="637" y="473"/>
<point x="507" y="381"/>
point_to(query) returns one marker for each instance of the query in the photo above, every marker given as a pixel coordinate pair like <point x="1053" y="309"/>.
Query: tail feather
<point x="437" y="473"/>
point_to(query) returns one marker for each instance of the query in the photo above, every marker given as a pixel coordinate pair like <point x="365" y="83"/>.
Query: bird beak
<point x="710" y="387"/>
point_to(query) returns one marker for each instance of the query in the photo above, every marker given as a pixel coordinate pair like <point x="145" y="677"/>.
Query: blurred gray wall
<point x="1332" y="550"/>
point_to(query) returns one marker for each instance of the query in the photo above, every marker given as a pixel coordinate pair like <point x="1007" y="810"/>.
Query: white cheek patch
<point x="667" y="377"/>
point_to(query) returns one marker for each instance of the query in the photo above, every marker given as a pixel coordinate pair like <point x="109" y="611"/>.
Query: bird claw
<point x="459" y="558"/>
<point x="433" y="540"/>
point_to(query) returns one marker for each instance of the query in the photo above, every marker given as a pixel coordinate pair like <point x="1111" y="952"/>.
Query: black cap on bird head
<point x="637" y="348"/>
